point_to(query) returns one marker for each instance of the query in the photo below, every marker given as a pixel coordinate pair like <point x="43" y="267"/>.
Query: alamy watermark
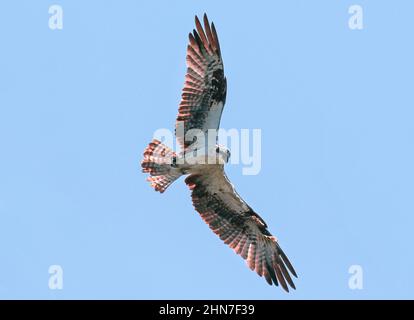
<point x="56" y="17"/>
<point x="356" y="20"/>
<point x="356" y="280"/>
<point x="245" y="146"/>
<point x="56" y="277"/>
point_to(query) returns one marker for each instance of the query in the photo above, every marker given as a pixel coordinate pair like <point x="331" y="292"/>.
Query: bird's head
<point x="223" y="153"/>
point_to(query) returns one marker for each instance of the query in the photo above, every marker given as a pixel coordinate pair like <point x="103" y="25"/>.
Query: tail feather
<point x="158" y="162"/>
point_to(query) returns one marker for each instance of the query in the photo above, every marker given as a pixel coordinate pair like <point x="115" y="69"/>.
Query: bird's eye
<point x="217" y="150"/>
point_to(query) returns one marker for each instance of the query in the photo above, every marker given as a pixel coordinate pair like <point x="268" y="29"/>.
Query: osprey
<point x="213" y="196"/>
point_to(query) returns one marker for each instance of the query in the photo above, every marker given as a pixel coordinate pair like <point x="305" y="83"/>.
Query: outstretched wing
<point x="204" y="92"/>
<point x="239" y="226"/>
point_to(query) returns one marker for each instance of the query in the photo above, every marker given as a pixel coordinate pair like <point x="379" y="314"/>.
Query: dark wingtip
<point x="286" y="261"/>
<point x="197" y="21"/>
<point x="205" y="18"/>
<point x="213" y="29"/>
<point x="293" y="272"/>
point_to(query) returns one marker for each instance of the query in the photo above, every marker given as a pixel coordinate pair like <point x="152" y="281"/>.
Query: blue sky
<point x="78" y="106"/>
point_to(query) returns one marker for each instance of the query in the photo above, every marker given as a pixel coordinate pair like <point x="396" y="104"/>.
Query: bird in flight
<point x="213" y="196"/>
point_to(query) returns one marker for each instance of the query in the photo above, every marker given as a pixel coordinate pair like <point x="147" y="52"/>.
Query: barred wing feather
<point x="204" y="92"/>
<point x="240" y="227"/>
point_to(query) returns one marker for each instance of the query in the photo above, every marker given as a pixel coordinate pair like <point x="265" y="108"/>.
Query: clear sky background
<point x="79" y="105"/>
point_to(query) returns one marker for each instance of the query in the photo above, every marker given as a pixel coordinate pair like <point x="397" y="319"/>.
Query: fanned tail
<point x="159" y="162"/>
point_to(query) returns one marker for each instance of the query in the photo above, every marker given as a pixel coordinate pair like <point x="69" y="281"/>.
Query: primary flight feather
<point x="213" y="196"/>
